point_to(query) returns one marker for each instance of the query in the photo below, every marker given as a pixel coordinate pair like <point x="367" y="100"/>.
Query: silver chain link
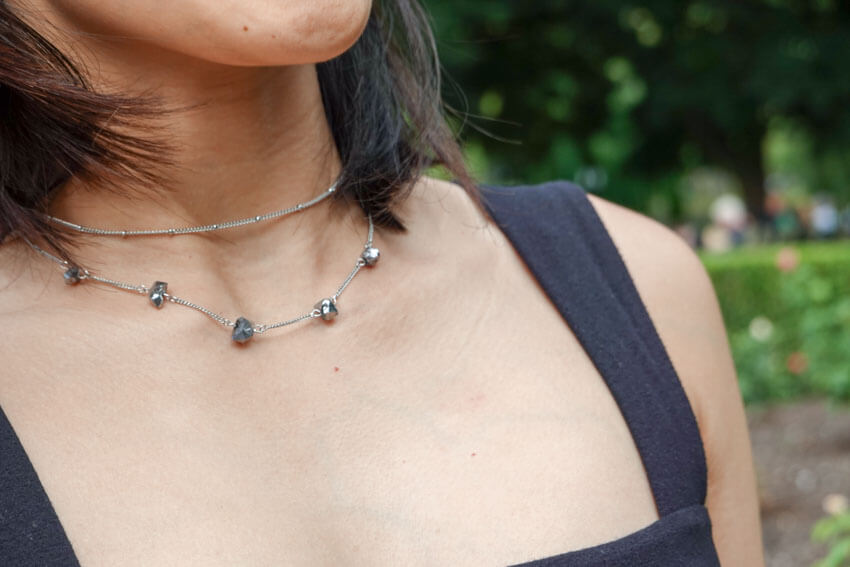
<point x="85" y="274"/>
<point x="175" y="231"/>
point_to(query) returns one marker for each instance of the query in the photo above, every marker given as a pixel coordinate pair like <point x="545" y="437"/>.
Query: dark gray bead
<point x="371" y="255"/>
<point x="157" y="293"/>
<point x="243" y="330"/>
<point x="72" y="275"/>
<point x="327" y="308"/>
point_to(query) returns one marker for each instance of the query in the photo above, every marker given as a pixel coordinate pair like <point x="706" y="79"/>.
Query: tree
<point x="644" y="91"/>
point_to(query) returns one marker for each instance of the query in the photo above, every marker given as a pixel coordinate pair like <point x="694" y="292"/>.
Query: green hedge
<point x="834" y="530"/>
<point x="789" y="328"/>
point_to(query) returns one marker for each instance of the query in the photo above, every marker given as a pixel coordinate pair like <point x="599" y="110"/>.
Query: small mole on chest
<point x="476" y="401"/>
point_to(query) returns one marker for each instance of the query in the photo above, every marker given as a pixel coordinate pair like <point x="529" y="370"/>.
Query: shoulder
<point x="681" y="301"/>
<point x="667" y="273"/>
<point x="669" y="276"/>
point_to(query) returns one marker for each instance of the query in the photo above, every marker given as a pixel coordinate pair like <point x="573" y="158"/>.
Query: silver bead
<point x="157" y="294"/>
<point x="243" y="330"/>
<point x="327" y="308"/>
<point x="370" y="256"/>
<point x="72" y="275"/>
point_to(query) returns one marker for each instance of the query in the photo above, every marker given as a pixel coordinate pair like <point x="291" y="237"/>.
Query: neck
<point x="246" y="141"/>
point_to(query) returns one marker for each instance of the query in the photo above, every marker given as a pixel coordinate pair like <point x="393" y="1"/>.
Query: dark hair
<point x="381" y="98"/>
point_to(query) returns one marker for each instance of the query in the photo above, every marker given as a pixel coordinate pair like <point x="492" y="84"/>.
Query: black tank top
<point x="556" y="231"/>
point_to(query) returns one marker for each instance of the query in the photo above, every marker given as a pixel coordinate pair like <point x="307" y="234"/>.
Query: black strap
<point x="30" y="532"/>
<point x="681" y="539"/>
<point x="557" y="232"/>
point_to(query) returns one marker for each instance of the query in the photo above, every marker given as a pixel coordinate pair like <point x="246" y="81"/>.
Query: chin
<point x="308" y="31"/>
<point x="231" y="32"/>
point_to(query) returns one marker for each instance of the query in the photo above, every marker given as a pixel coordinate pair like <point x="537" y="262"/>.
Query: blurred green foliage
<point x="834" y="530"/>
<point x="787" y="312"/>
<point x="627" y="97"/>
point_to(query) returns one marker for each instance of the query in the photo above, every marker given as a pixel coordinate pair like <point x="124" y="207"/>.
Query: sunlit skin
<point x="447" y="417"/>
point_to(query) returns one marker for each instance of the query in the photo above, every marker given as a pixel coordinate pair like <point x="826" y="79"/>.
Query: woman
<point x="458" y="410"/>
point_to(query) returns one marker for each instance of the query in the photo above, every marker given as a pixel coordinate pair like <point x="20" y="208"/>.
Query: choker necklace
<point x="176" y="231"/>
<point x="243" y="330"/>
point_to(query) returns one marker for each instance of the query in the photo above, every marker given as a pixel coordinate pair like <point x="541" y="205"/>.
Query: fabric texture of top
<point x="559" y="236"/>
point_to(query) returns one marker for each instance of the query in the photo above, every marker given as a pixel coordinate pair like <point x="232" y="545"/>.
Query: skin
<point x="347" y="443"/>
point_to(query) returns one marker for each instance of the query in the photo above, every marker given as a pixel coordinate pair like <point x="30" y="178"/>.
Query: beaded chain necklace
<point x="243" y="330"/>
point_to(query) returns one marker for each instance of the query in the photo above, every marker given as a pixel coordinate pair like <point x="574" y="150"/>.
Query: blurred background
<point x="730" y="122"/>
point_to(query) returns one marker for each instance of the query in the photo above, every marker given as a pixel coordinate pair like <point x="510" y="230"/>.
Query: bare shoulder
<point x="681" y="301"/>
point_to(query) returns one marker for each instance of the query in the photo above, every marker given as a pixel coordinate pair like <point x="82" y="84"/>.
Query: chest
<point x="480" y="440"/>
